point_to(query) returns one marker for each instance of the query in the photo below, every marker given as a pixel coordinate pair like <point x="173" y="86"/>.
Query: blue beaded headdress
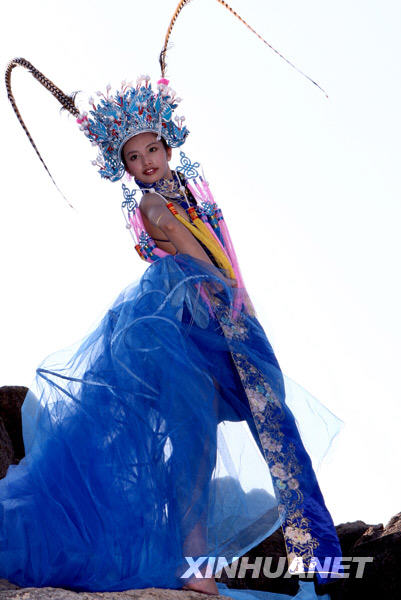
<point x="132" y="110"/>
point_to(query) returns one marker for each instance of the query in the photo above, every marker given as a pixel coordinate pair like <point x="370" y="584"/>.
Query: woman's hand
<point x="213" y="284"/>
<point x="229" y="281"/>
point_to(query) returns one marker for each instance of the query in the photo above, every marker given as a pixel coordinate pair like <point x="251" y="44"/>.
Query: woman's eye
<point x="133" y="157"/>
<point x="153" y="149"/>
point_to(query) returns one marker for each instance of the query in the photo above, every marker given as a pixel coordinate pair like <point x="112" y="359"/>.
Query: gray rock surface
<point x="49" y="593"/>
<point x="7" y="456"/>
<point x="11" y="399"/>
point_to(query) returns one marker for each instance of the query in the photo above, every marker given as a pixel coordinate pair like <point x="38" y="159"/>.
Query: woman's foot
<point x="207" y="586"/>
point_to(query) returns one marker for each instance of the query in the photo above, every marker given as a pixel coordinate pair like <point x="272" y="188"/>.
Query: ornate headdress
<point x="128" y="112"/>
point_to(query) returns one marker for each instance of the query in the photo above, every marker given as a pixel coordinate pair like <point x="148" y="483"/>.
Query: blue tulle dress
<point x="167" y="432"/>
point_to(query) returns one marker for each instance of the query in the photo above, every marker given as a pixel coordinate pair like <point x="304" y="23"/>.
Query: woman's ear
<point x="169" y="152"/>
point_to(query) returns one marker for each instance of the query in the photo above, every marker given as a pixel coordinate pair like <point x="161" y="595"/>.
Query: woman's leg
<point x="196" y="446"/>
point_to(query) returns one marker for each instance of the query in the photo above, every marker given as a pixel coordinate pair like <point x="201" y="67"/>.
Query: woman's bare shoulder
<point x="151" y="199"/>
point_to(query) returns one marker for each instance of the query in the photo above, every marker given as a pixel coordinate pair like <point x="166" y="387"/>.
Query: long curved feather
<point x="232" y="11"/>
<point x="163" y="53"/>
<point x="183" y="3"/>
<point x="67" y="103"/>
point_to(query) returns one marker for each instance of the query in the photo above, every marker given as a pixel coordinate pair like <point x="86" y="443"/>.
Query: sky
<point x="309" y="187"/>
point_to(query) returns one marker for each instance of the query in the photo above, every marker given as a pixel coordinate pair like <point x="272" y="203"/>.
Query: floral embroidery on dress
<point x="269" y="414"/>
<point x="299" y="540"/>
<point x="234" y="329"/>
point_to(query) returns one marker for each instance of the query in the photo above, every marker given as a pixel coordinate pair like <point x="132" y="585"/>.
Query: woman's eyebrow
<point x="147" y="146"/>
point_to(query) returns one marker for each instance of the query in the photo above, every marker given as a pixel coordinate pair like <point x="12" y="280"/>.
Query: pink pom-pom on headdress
<point x="163" y="81"/>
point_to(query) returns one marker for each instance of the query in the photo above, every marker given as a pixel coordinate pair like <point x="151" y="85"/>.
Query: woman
<point x="165" y="436"/>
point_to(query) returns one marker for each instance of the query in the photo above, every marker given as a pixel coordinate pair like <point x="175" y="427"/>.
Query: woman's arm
<point x="155" y="209"/>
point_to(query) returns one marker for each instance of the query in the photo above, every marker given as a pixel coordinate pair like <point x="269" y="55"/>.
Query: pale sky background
<point x="312" y="184"/>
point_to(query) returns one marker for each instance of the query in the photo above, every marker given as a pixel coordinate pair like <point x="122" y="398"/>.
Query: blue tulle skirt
<point x="143" y="447"/>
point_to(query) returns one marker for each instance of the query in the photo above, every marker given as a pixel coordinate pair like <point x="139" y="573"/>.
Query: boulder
<point x="11" y="399"/>
<point x="11" y="442"/>
<point x="49" y="593"/>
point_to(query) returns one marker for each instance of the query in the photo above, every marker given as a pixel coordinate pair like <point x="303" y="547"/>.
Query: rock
<point x="349" y="533"/>
<point x="49" y="593"/>
<point x="382" y="577"/>
<point x="6" y="450"/>
<point x="394" y="525"/>
<point x="11" y="399"/>
<point x="6" y="585"/>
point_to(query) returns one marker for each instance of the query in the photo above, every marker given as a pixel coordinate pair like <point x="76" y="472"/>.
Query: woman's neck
<point x="172" y="187"/>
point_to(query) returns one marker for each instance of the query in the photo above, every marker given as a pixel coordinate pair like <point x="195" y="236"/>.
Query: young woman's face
<point x="146" y="158"/>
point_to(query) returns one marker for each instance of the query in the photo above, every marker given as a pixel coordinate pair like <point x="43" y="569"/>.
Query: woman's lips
<point x="149" y="172"/>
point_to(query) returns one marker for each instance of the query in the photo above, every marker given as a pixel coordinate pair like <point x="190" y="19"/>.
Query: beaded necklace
<point x="173" y="189"/>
